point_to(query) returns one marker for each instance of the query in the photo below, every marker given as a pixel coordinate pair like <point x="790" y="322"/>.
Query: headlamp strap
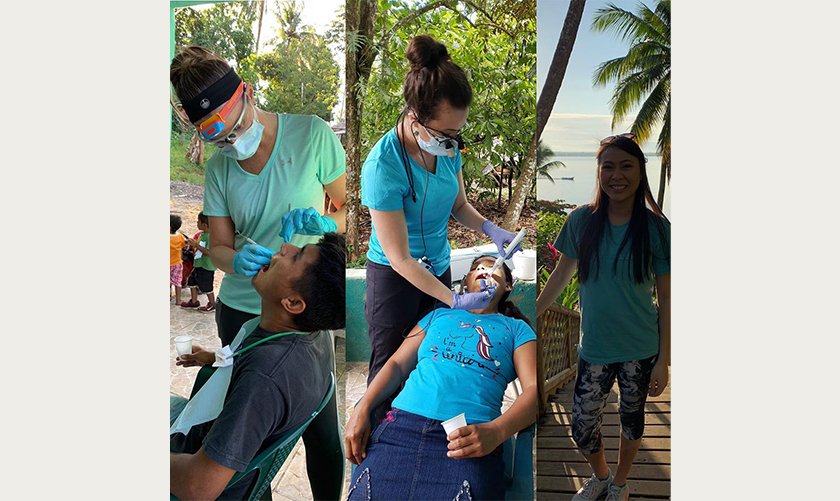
<point x="212" y="97"/>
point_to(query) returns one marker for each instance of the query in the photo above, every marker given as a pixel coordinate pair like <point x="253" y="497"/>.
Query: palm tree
<point x="291" y="24"/>
<point x="544" y="162"/>
<point x="643" y="74"/>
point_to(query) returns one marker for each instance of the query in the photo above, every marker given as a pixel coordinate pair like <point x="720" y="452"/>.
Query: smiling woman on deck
<point x="620" y="245"/>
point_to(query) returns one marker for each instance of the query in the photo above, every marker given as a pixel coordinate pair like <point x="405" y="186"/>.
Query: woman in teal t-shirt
<point x="621" y="248"/>
<point x="264" y="183"/>
<point x="412" y="183"/>
<point x="453" y="362"/>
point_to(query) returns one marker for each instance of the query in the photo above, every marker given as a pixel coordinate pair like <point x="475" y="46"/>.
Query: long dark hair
<point x="506" y="308"/>
<point x="645" y="211"/>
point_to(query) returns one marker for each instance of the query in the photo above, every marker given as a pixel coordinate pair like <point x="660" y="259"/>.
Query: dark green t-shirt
<point x="619" y="319"/>
<point x="204" y="260"/>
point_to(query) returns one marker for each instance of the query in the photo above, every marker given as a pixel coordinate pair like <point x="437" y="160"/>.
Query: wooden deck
<point x="562" y="469"/>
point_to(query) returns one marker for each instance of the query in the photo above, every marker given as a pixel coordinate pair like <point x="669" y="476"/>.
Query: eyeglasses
<point x="610" y="139"/>
<point x="214" y="125"/>
<point x="443" y="135"/>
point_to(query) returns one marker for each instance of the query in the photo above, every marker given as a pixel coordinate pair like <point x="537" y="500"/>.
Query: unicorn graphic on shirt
<point x="462" y="333"/>
<point x="484" y="344"/>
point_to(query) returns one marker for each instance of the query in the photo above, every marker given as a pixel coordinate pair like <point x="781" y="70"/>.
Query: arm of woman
<point x="659" y="376"/>
<point x="386" y="382"/>
<point x="337" y="193"/>
<point x="477" y="440"/>
<point x="221" y="250"/>
<point x="393" y="235"/>
<point x="463" y="211"/>
<point x="558" y="281"/>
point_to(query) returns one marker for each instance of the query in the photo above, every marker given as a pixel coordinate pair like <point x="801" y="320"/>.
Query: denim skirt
<point x="406" y="460"/>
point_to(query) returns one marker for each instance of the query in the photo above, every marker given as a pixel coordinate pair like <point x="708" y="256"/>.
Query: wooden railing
<point x="558" y="332"/>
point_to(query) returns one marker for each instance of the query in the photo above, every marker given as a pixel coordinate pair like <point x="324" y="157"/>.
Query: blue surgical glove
<point x="500" y="237"/>
<point x="306" y="222"/>
<point x="251" y="259"/>
<point x="474" y="300"/>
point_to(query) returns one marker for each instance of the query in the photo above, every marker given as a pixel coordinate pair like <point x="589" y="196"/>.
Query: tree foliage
<point x="298" y="76"/>
<point x="225" y="28"/>
<point x="494" y="42"/>
<point x="643" y="75"/>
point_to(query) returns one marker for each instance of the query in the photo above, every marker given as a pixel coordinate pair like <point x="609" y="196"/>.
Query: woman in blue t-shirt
<point x="621" y="249"/>
<point x="455" y="361"/>
<point x="412" y="182"/>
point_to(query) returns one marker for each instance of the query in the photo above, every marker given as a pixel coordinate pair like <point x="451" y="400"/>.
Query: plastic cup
<point x="453" y="424"/>
<point x="183" y="344"/>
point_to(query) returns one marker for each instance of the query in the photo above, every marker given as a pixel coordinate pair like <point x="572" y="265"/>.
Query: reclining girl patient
<point x="456" y="361"/>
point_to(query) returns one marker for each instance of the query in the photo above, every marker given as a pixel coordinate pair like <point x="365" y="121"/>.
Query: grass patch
<point x="180" y="169"/>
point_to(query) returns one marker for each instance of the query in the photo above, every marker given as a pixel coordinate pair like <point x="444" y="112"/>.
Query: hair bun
<point x="425" y="52"/>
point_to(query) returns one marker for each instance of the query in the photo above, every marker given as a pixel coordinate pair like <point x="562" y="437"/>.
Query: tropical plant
<point x="643" y="75"/>
<point x="289" y="17"/>
<point x="549" y="224"/>
<point x="545" y="162"/>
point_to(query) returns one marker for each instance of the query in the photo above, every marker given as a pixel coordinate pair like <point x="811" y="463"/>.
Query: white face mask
<point x="439" y="147"/>
<point x="247" y="144"/>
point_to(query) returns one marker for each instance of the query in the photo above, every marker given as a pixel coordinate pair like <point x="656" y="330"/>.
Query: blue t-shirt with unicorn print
<point x="464" y="364"/>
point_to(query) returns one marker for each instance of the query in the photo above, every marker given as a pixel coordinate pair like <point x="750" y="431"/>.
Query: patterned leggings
<point x="592" y="388"/>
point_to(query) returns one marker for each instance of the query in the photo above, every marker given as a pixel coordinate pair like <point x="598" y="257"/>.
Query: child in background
<point x="201" y="278"/>
<point x="176" y="243"/>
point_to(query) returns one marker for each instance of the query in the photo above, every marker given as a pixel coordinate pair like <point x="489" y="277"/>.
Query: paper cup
<point x="184" y="345"/>
<point x="453" y="424"/>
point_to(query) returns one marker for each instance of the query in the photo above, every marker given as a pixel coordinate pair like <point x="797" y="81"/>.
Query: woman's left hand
<point x="658" y="379"/>
<point x="306" y="222"/>
<point x="474" y="441"/>
<point x="500" y="237"/>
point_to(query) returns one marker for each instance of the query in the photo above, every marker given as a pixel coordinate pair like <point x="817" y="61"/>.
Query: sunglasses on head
<point x="214" y="125"/>
<point x="610" y="139"/>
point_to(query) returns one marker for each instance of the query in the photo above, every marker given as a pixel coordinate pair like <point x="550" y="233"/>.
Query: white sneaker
<point x="593" y="488"/>
<point x="618" y="493"/>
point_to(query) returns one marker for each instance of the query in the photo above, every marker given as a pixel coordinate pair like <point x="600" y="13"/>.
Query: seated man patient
<point x="456" y="361"/>
<point x="275" y="385"/>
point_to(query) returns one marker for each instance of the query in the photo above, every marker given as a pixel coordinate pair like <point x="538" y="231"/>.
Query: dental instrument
<point x="509" y="252"/>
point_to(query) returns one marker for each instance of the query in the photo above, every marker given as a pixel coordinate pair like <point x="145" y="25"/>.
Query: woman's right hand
<point x="251" y="259"/>
<point x="356" y="435"/>
<point x="474" y="300"/>
<point x="197" y="358"/>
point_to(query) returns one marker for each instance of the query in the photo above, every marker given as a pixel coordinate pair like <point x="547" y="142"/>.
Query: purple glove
<point x="500" y="237"/>
<point x="474" y="300"/>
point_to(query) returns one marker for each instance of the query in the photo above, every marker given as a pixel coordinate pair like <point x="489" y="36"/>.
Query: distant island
<point x="592" y="154"/>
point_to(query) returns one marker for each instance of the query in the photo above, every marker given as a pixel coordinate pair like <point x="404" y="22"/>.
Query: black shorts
<point x="203" y="279"/>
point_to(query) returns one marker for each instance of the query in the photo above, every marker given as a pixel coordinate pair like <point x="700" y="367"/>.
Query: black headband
<point x="212" y="97"/>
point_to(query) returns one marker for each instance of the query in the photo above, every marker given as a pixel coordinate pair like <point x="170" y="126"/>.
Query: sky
<point x="581" y="115"/>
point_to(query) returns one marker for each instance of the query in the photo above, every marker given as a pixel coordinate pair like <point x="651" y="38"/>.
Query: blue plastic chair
<point x="269" y="461"/>
<point x="519" y="465"/>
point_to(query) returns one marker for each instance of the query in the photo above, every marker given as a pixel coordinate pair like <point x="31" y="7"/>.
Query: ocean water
<point x="581" y="189"/>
